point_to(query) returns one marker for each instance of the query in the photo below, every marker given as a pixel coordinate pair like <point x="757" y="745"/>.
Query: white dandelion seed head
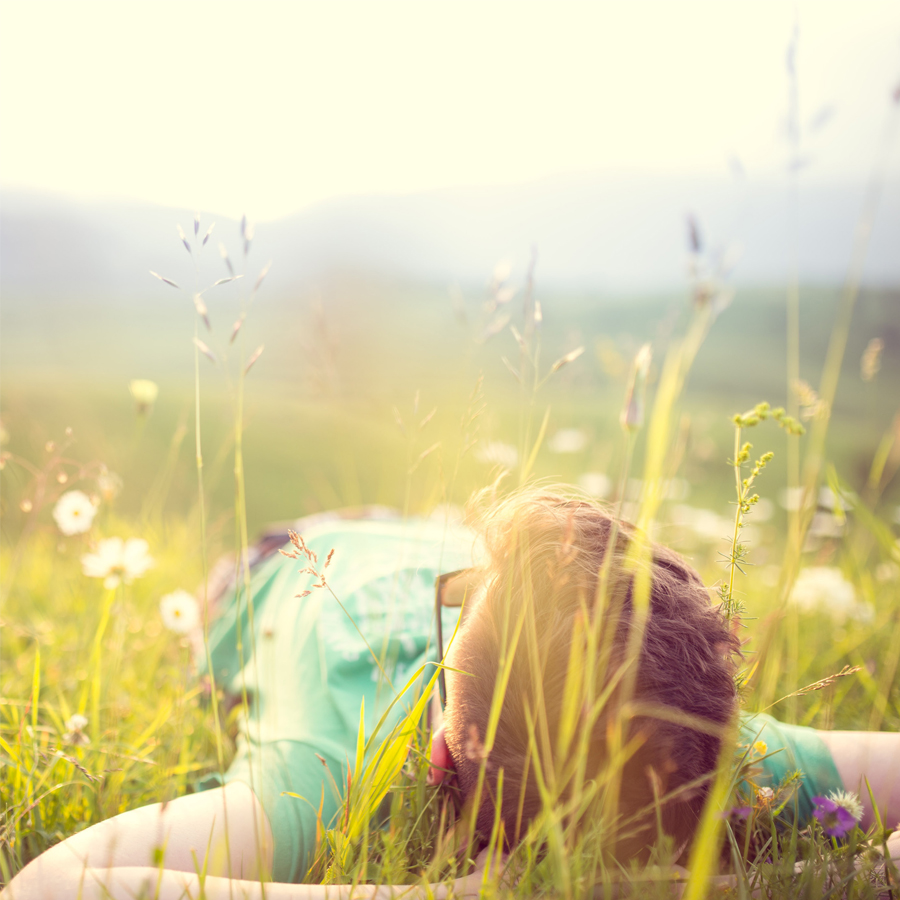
<point x="75" y="726"/>
<point x="76" y="722"/>
<point x="117" y="561"/>
<point x="180" y="612"/>
<point x="74" y="512"/>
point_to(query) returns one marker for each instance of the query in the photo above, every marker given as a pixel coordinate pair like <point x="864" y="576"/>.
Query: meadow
<point x="377" y="393"/>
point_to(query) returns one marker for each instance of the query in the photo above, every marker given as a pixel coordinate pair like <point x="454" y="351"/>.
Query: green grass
<point x="308" y="447"/>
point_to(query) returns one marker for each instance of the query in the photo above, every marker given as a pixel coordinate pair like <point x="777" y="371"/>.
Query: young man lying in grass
<point x="588" y="690"/>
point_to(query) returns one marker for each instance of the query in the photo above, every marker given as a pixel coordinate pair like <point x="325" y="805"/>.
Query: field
<point x="336" y="413"/>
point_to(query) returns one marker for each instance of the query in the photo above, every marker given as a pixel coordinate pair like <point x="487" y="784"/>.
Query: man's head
<point x="545" y="691"/>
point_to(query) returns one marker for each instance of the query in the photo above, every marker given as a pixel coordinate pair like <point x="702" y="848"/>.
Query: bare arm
<point x="130" y="882"/>
<point x="872" y="756"/>
<point x="224" y="830"/>
<point x="114" y="860"/>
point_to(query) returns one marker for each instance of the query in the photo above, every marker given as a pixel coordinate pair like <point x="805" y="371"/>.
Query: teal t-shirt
<point x="309" y="664"/>
<point x="789" y="749"/>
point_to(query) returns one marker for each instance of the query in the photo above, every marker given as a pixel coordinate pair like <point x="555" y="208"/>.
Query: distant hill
<point x="611" y="233"/>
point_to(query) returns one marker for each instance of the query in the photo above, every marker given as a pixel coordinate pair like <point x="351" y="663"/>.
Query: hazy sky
<point x="267" y="107"/>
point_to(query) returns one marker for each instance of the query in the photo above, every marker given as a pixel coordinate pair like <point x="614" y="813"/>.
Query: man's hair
<point x="562" y="602"/>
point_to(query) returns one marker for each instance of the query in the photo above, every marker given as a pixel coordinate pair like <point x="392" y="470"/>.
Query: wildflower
<point x="836" y="820"/>
<point x="74" y="512"/>
<point x="117" y="561"/>
<point x="824" y="589"/>
<point x="180" y="612"/>
<point x="597" y="484"/>
<point x="761" y="748"/>
<point x="498" y="453"/>
<point x="145" y="393"/>
<point x="849" y="801"/>
<point x="765" y="795"/>
<point x="75" y="726"/>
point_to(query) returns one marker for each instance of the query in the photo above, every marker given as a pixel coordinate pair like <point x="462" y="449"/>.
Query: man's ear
<point x="441" y="761"/>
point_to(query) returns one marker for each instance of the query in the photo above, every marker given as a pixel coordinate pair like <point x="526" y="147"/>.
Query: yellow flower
<point x="761" y="747"/>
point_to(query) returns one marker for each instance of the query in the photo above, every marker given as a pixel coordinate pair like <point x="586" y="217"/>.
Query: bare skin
<point x="115" y="858"/>
<point x="872" y="756"/>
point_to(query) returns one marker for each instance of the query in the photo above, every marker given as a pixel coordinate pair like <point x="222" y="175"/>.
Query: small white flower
<point x="75" y="734"/>
<point x="765" y="794"/>
<point x="596" y="484"/>
<point x="706" y="524"/>
<point x="117" y="561"/>
<point x="76" y="722"/>
<point x="180" y="612"/>
<point x="849" y="801"/>
<point x="824" y="589"/>
<point x="568" y="440"/>
<point x="499" y="454"/>
<point x="74" y="512"/>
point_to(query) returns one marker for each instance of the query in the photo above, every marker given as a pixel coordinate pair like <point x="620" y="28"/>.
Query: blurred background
<point x="402" y="168"/>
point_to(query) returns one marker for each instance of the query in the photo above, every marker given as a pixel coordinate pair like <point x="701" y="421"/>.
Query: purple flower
<point x="836" y="821"/>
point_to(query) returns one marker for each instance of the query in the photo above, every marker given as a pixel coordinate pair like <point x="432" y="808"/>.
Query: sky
<point x="267" y="108"/>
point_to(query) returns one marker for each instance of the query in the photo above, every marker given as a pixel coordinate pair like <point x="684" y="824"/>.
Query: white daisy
<point x="117" y="561"/>
<point x="74" y="512"/>
<point x="180" y="612"/>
